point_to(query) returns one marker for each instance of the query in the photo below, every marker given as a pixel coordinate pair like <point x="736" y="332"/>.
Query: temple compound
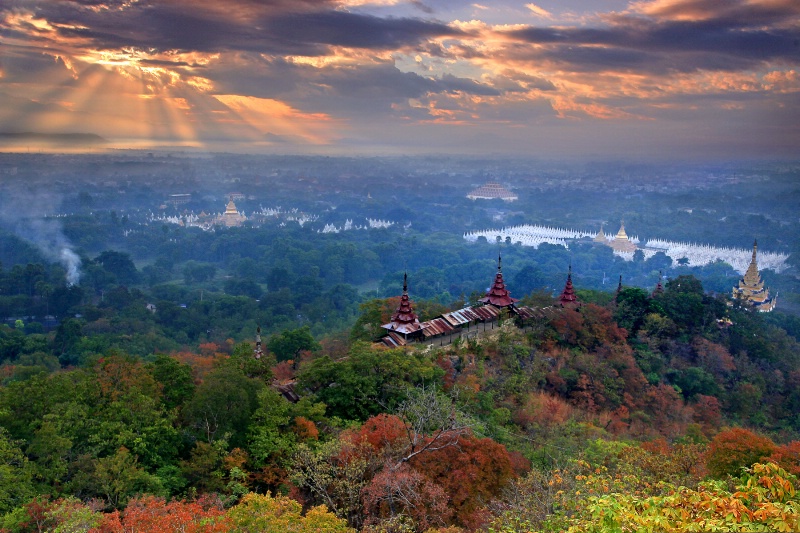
<point x="491" y="191"/>
<point x="751" y="290"/>
<point x="405" y="328"/>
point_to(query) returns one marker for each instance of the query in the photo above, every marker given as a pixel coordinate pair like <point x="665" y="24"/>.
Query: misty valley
<point x="204" y="337"/>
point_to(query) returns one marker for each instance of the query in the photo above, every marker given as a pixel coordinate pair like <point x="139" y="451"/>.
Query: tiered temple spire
<point x="404" y="320"/>
<point x="498" y="295"/>
<point x="751" y="288"/>
<point x="568" y="297"/>
<point x="659" y="287"/>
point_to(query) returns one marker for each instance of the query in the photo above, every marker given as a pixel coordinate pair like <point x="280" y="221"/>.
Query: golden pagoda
<point x="601" y="237"/>
<point x="621" y="243"/>
<point x="231" y="217"/>
<point x="751" y="288"/>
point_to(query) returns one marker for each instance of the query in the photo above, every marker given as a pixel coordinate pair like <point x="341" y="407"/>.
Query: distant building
<point x="751" y="290"/>
<point x="179" y="199"/>
<point x="231" y="217"/>
<point x="568" y="298"/>
<point x="621" y="243"/>
<point x="601" y="237"/>
<point x="492" y="191"/>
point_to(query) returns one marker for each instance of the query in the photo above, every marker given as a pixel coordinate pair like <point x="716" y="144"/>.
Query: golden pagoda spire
<point x="621" y="233"/>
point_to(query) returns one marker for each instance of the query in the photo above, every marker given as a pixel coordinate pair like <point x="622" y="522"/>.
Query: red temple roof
<point x="568" y="297"/>
<point x="404" y="320"/>
<point x="498" y="295"/>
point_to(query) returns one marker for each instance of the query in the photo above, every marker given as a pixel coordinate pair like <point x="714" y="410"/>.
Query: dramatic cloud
<point x="421" y="75"/>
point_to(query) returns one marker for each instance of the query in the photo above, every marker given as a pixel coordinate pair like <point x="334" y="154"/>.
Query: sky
<point x="666" y="79"/>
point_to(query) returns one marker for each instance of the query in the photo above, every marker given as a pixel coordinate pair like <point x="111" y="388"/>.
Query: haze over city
<point x="645" y="79"/>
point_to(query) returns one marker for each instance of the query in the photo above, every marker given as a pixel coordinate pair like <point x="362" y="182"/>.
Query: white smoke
<point x="72" y="264"/>
<point x="46" y="233"/>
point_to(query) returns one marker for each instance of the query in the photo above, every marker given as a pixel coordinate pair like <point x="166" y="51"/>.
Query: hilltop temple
<point x="405" y="327"/>
<point x="751" y="290"/>
<point x="491" y="191"/>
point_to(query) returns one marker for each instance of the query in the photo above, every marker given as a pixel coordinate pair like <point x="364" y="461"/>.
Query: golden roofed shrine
<point x="231" y="217"/>
<point x="751" y="290"/>
<point x="621" y="242"/>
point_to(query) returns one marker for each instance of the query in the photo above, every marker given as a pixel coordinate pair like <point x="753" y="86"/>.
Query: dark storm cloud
<point x="355" y="30"/>
<point x="648" y="44"/>
<point x="283" y="28"/>
<point x="363" y="90"/>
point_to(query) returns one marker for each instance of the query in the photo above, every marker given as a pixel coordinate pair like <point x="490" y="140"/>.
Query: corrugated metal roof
<point x="437" y="326"/>
<point x="471" y="314"/>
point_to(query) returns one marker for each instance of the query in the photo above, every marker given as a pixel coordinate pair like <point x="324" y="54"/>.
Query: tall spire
<point x="659" y="287"/>
<point x="568" y="297"/>
<point x="498" y="295"/>
<point x="405" y="312"/>
<point x="404" y="320"/>
<point x="601" y="237"/>
<point x="258" y="352"/>
<point x="619" y="287"/>
<point x="751" y="288"/>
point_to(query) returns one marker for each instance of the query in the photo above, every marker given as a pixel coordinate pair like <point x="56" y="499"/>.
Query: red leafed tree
<point x="788" y="457"/>
<point x="736" y="448"/>
<point x="383" y="432"/>
<point x="155" y="515"/>
<point x="707" y="412"/>
<point x="403" y="490"/>
<point x="472" y="473"/>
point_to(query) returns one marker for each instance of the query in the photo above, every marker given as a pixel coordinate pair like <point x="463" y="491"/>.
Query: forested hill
<point x="588" y="419"/>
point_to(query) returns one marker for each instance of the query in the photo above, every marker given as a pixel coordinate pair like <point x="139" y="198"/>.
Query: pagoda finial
<point x="568" y="297"/>
<point x="405" y="283"/>
<point x="499" y="262"/>
<point x="619" y="287"/>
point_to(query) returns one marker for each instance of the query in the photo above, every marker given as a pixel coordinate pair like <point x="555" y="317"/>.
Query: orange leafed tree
<point x="155" y="515"/>
<point x="472" y="473"/>
<point x="736" y="448"/>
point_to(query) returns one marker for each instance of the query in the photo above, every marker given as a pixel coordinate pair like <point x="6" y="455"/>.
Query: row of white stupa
<point x="695" y="254"/>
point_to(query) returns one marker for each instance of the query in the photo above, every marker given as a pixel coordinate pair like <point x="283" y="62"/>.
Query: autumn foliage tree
<point x="156" y="515"/>
<point x="735" y="448"/>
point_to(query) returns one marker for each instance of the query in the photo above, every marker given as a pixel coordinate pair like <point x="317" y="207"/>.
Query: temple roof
<point x="621" y="243"/>
<point x="601" y="237"/>
<point x="230" y="209"/>
<point x="751" y="287"/>
<point x="498" y="295"/>
<point x="404" y="320"/>
<point x="490" y="191"/>
<point x="621" y="233"/>
<point x="752" y="278"/>
<point x="659" y="287"/>
<point x="568" y="297"/>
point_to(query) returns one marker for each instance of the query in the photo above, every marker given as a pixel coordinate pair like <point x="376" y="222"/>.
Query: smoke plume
<point x="46" y="233"/>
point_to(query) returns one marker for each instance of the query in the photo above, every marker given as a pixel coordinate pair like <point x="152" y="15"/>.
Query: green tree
<point x="289" y="343"/>
<point x="223" y="404"/>
<point x="16" y="484"/>
<point x="120" y="265"/>
<point x="368" y="381"/>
